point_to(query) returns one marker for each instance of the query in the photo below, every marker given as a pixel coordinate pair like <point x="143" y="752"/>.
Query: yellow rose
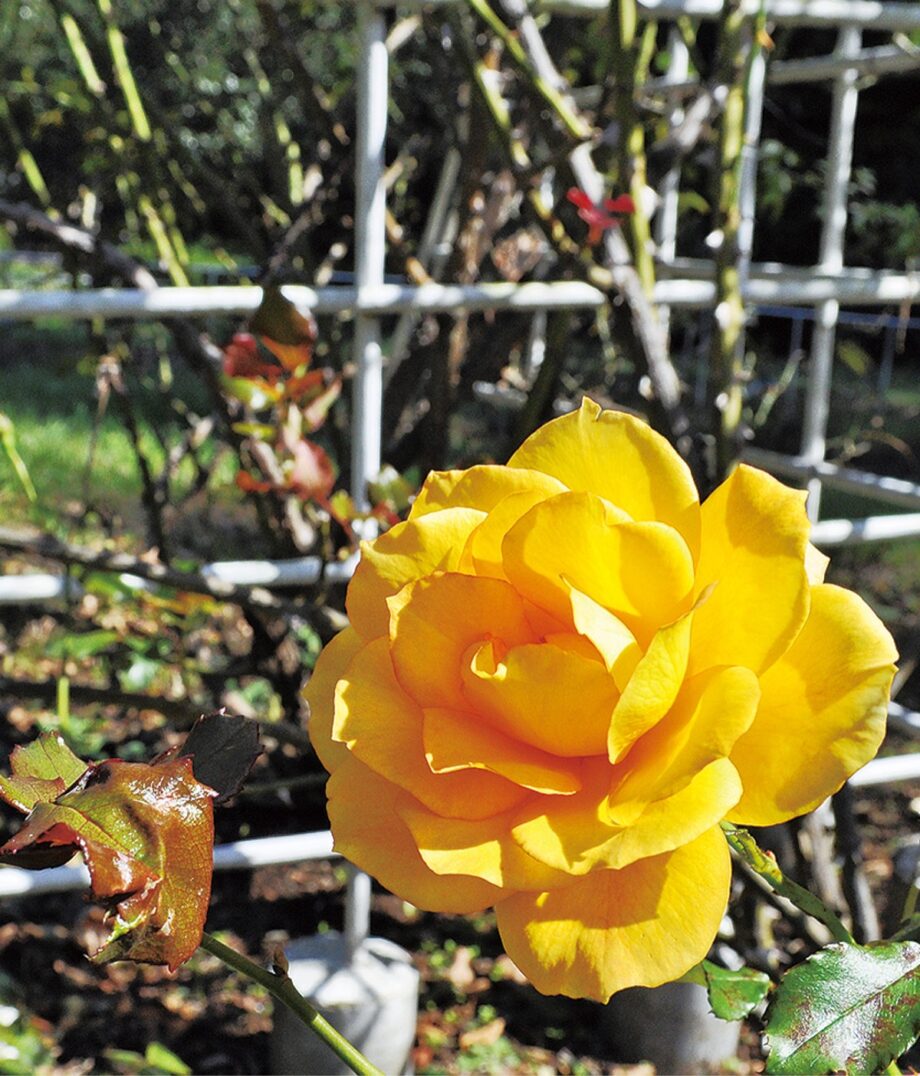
<point x="561" y="675"/>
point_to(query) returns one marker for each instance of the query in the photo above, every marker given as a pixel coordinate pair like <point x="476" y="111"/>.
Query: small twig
<point x="181" y="712"/>
<point x="279" y="985"/>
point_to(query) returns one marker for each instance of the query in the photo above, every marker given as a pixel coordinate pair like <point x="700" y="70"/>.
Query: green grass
<point x="47" y="389"/>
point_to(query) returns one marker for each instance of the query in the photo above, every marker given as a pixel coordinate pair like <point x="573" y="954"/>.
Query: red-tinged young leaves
<point x="41" y="771"/>
<point x="242" y="359"/>
<point x="145" y="830"/>
<point x="317" y="409"/>
<point x="287" y="333"/>
<point x="600" y="217"/>
<point x="850" y="1008"/>
<point x="312" y="476"/>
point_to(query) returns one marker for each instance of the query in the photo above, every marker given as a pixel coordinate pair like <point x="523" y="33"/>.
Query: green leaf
<point x="734" y="994"/>
<point x="41" y="771"/>
<point x="80" y="646"/>
<point x="849" y="1007"/>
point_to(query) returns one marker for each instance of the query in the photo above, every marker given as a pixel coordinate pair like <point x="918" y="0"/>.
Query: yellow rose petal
<point x="382" y="727"/>
<point x="551" y="698"/>
<point x="618" y="457"/>
<point x="435" y="493"/>
<point x="485" y="544"/>
<point x="754" y="540"/>
<point x="370" y="834"/>
<point x="641" y="926"/>
<point x="708" y="716"/>
<point x="680" y="818"/>
<point x="458" y="741"/>
<point x="319" y="694"/>
<point x="409" y="551"/>
<point x="643" y="572"/>
<point x="571" y="833"/>
<point x="652" y="688"/>
<point x="613" y="640"/>
<point x="822" y="713"/>
<point x="483" y="849"/>
<point x="434" y="622"/>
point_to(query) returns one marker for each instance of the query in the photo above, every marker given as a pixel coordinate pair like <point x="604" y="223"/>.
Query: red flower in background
<point x="600" y="217"/>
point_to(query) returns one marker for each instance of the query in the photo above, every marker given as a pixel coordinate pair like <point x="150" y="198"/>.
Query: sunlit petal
<point x="370" y="834"/>
<point x="822" y="713"/>
<point x="547" y="696"/>
<point x="435" y="621"/>
<point x="457" y="741"/>
<point x="382" y="727"/>
<point x="620" y="458"/>
<point x="409" y="551"/>
<point x="755" y="535"/>
<point x="481" y="848"/>
<point x="319" y="694"/>
<point x="641" y="926"/>
<point x="643" y="572"/>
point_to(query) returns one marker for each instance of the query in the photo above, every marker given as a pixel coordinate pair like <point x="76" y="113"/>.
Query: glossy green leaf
<point x="848" y="1008"/>
<point x="146" y="832"/>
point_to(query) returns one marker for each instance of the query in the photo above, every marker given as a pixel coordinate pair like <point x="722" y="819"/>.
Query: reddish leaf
<point x="242" y="359"/>
<point x="312" y="476"/>
<point x="315" y="412"/>
<point x="146" y="832"/>
<point x="287" y="333"/>
<point x="600" y="218"/>
<point x="248" y="484"/>
<point x="41" y="771"/>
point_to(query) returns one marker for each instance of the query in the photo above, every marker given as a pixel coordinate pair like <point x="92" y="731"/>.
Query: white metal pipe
<point x="881" y="771"/>
<point x="669" y="188"/>
<point x="834" y="532"/>
<point x="883" y="60"/>
<point x="370" y="245"/>
<point x="685" y="285"/>
<point x="872" y="14"/>
<point x="899" y="717"/>
<point x="839" y="163"/>
<point x="878" y="487"/>
<point x="298" y="571"/>
<point x="237" y="855"/>
<point x="37" y="587"/>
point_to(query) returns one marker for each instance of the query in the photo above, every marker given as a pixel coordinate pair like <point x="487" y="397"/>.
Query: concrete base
<point x="672" y="1026"/>
<point x="372" y="1000"/>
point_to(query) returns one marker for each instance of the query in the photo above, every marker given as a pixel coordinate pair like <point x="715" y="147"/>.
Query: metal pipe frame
<point x="872" y="14"/>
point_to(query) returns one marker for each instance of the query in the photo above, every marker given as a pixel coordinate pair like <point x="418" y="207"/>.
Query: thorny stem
<point x="762" y="863"/>
<point x="279" y="985"/>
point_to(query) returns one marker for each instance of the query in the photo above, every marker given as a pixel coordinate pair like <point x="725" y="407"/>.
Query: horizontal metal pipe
<point x="793" y="285"/>
<point x="878" y="487"/>
<point x="881" y="60"/>
<point x="236" y="300"/>
<point x="881" y="771"/>
<point x="833" y="532"/>
<point x="37" y="587"/>
<point x="831" y="13"/>
<point x="238" y="855"/>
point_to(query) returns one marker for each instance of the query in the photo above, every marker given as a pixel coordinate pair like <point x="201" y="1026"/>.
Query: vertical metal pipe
<point x="839" y="161"/>
<point x="669" y="190"/>
<point x="370" y="245"/>
<point x="367" y="392"/>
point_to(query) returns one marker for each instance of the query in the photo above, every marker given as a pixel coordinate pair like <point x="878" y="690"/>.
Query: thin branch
<point x="278" y="983"/>
<point x="181" y="712"/>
